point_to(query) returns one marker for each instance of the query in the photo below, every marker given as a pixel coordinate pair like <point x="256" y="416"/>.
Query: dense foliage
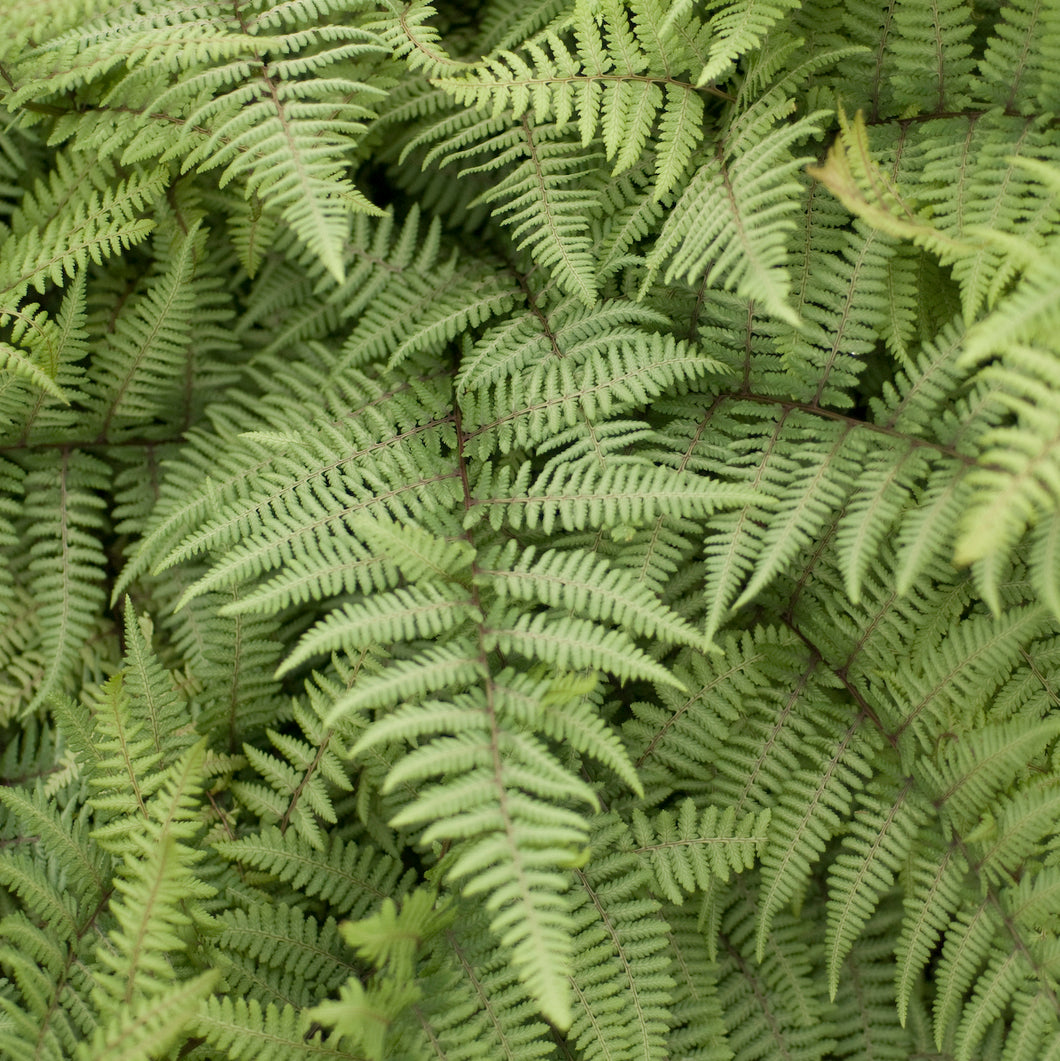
<point x="529" y="529"/>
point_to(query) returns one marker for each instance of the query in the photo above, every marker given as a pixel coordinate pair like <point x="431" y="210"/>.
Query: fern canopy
<point x="529" y="530"/>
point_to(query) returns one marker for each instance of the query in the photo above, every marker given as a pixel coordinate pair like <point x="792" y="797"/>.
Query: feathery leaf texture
<point x="529" y="530"/>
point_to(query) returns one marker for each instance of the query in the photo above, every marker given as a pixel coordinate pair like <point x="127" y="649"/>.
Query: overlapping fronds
<point x="529" y="530"/>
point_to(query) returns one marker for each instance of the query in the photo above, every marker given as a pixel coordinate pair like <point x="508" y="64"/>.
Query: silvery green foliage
<point x="529" y="529"/>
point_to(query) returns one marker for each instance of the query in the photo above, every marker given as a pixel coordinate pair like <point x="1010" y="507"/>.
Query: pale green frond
<point x="351" y="878"/>
<point x="621" y="985"/>
<point x="576" y="497"/>
<point x="248" y="1031"/>
<point x="794" y="1019"/>
<point x="94" y="226"/>
<point x="569" y="643"/>
<point x="729" y="226"/>
<point x="402" y="615"/>
<point x="932" y="54"/>
<point x="151" y="1025"/>
<point x="875" y="849"/>
<point x="689" y="850"/>
<point x="273" y="943"/>
<point x="433" y="670"/>
<point x="60" y="522"/>
<point x="736" y="28"/>
<point x="808" y="815"/>
<point x="584" y="585"/>
<point x="1015" y="70"/>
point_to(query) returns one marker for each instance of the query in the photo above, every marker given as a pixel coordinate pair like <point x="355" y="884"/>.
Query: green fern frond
<point x="350" y="877"/>
<point x="298" y="781"/>
<point x="793" y="1019"/>
<point x="246" y="1030"/>
<point x="675" y="533"/>
<point x="810" y="808"/>
<point x="864" y="1010"/>
<point x="620" y="494"/>
<point x="401" y="615"/>
<point x="1013" y="71"/>
<point x="621" y="987"/>
<point x="932" y="55"/>
<point x="619" y="99"/>
<point x="151" y="1024"/>
<point x="60" y="522"/>
<point x="875" y="849"/>
<point x="730" y="222"/>
<point x="997" y="192"/>
<point x="581" y="584"/>
<point x="273" y="952"/>
<point x="144" y="1001"/>
<point x="735" y="29"/>
<point x="689" y="850"/>
<point x="92" y="226"/>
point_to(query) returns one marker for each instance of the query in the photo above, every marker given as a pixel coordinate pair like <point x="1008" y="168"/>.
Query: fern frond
<point x="581" y="584"/>
<point x="57" y="347"/>
<point x="246" y="1030"/>
<point x="675" y="739"/>
<point x="401" y="615"/>
<point x="350" y="877"/>
<point x="864" y="1010"/>
<point x="298" y="781"/>
<point x="276" y="944"/>
<point x="735" y="29"/>
<point x="61" y="520"/>
<point x="810" y="808"/>
<point x="730" y="223"/>
<point x="579" y="497"/>
<point x="689" y="850"/>
<point x="794" y="1018"/>
<point x="1013" y="73"/>
<point x="157" y="897"/>
<point x="932" y="55"/>
<point x="875" y="849"/>
<point x="619" y="97"/>
<point x="65" y="841"/>
<point x="92" y="226"/>
<point x="151" y="1024"/>
<point x="621" y="988"/>
<point x="996" y="192"/>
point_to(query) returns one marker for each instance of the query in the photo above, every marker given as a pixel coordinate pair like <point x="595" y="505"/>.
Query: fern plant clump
<point x="530" y="530"/>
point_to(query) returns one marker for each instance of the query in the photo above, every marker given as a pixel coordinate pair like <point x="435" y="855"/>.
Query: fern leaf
<point x="246" y="1030"/>
<point x="691" y="849"/>
<point x="349" y="877"/>
<point x="808" y="815"/>
<point x="624" y="1014"/>
<point x="583" y="585"/>
<point x="932" y="54"/>
<point x="93" y="227"/>
<point x="730" y="223"/>
<point x="433" y="670"/>
<point x="401" y="615"/>
<point x="67" y="561"/>
<point x="570" y="643"/>
<point x="874" y="851"/>
<point x="1015" y="68"/>
<point x="153" y="1024"/>
<point x="736" y="28"/>
<point x="576" y="497"/>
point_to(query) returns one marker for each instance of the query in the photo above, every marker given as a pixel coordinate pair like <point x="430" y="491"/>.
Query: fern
<point x="529" y="530"/>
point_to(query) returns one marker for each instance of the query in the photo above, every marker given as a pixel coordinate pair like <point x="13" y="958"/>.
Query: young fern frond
<point x="297" y="792"/>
